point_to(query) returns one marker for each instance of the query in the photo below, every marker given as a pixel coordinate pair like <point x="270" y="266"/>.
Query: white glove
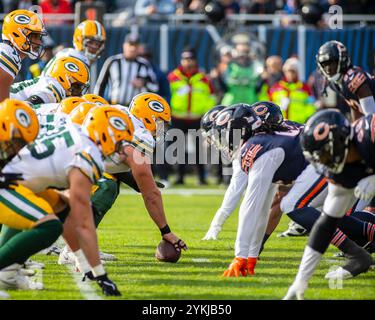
<point x="365" y="189"/>
<point x="296" y="291"/>
<point x="212" y="234"/>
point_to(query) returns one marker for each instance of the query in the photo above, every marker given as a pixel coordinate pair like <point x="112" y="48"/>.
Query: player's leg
<point x="231" y="198"/>
<point x="23" y="210"/>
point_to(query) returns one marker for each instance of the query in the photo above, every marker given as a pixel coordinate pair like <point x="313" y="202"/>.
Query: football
<point x="166" y="252"/>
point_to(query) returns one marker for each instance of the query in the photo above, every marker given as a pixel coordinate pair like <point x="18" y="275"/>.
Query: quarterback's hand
<point x="365" y="189"/>
<point x="8" y="179"/>
<point x="237" y="268"/>
<point x="178" y="243"/>
<point x="108" y="286"/>
<point x="296" y="291"/>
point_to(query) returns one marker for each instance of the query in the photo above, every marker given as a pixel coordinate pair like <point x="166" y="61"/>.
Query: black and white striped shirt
<point x="118" y="73"/>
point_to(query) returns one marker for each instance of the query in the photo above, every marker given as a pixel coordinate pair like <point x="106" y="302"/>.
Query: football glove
<point x="9" y="179"/>
<point x="237" y="268"/>
<point x="365" y="189"/>
<point x="108" y="286"/>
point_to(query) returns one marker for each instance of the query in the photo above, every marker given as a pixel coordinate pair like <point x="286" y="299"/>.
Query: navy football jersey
<point x="364" y="141"/>
<point x="294" y="162"/>
<point x="353" y="79"/>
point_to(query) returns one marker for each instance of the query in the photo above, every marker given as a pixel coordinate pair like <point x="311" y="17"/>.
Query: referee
<point x="125" y="75"/>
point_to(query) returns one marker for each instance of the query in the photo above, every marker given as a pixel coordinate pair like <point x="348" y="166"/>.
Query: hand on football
<point x="178" y="243"/>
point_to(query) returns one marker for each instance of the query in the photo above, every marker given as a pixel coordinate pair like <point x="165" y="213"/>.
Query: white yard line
<point x="200" y="260"/>
<point x="87" y="289"/>
<point x="181" y="192"/>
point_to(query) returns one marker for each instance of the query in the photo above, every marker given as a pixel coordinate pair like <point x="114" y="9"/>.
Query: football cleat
<point x="66" y="257"/>
<point x="4" y="295"/>
<point x="339" y="273"/>
<point x="294" y="230"/>
<point x="51" y="251"/>
<point x="104" y="256"/>
<point x="31" y="264"/>
<point x="27" y="272"/>
<point x="11" y="278"/>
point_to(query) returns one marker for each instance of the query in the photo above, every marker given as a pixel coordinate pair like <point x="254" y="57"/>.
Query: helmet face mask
<point x="93" y="48"/>
<point x="207" y="123"/>
<point x="270" y="114"/>
<point x="326" y="139"/>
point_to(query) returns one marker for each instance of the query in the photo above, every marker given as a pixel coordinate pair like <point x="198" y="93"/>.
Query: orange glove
<point x="251" y="262"/>
<point x="236" y="268"/>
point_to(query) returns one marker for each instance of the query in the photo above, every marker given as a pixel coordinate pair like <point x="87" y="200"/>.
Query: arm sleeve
<point x="251" y="213"/>
<point x="102" y="81"/>
<point x="338" y="200"/>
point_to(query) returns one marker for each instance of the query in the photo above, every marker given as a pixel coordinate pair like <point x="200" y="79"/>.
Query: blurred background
<point x="243" y="51"/>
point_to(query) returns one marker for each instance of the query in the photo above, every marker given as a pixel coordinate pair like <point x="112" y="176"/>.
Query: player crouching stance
<point x="20" y="207"/>
<point x="71" y="158"/>
<point x="345" y="154"/>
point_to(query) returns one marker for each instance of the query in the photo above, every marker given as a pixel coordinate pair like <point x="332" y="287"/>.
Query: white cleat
<point x="33" y="265"/>
<point x="66" y="257"/>
<point x="4" y="295"/>
<point x="51" y="251"/>
<point x="338" y="274"/>
<point x="107" y="256"/>
<point x="212" y="234"/>
<point x="11" y="278"/>
<point x="27" y="272"/>
<point x="296" y="292"/>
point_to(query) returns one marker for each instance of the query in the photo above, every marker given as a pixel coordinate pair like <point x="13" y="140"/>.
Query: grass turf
<point x="128" y="232"/>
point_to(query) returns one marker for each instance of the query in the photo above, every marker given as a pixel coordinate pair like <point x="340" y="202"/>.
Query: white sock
<point x="309" y="262"/>
<point x="82" y="262"/>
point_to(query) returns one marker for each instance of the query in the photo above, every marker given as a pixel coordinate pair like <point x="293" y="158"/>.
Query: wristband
<point x="165" y="230"/>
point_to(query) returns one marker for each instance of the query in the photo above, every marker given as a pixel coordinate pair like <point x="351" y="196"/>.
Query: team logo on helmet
<point x="23" y="118"/>
<point x="72" y="67"/>
<point x="260" y="109"/>
<point x="321" y="131"/>
<point x="117" y="123"/>
<point x="156" y="106"/>
<point x="213" y="115"/>
<point x="22" y="19"/>
<point x="223" y="118"/>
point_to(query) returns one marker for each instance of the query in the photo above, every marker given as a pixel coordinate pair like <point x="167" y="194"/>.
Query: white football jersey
<point x="10" y="60"/>
<point x="47" y="161"/>
<point x="46" y="88"/>
<point x="46" y="108"/>
<point x="52" y="121"/>
<point x="142" y="141"/>
<point x="67" y="52"/>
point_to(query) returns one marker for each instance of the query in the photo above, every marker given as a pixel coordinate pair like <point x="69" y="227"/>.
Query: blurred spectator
<point x="10" y="5"/>
<point x="149" y="7"/>
<point x="191" y="97"/>
<point x="260" y="7"/>
<point x="190" y="6"/>
<point x="36" y="68"/>
<point x="55" y="6"/>
<point x="110" y="5"/>
<point x="161" y="77"/>
<point x="271" y="75"/>
<point x="126" y="74"/>
<point x="241" y="77"/>
<point x="218" y="72"/>
<point x="291" y="7"/>
<point x="292" y="95"/>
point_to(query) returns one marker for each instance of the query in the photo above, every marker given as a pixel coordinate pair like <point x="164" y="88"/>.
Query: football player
<point x="22" y="37"/>
<point x="356" y="86"/>
<point x="66" y="77"/>
<point x="72" y="158"/>
<point x="344" y="153"/>
<point x="270" y="157"/>
<point x="149" y="113"/>
<point x="21" y="208"/>
<point x="272" y="117"/>
<point x="88" y="40"/>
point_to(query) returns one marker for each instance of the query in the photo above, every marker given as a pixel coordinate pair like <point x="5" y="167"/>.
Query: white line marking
<point x="85" y="287"/>
<point x="200" y="260"/>
<point x="181" y="192"/>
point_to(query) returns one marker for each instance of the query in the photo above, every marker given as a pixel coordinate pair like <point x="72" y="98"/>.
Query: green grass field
<point x="128" y="232"/>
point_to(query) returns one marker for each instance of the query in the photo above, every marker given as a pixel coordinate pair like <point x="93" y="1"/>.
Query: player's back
<point x="48" y="89"/>
<point x="288" y="140"/>
<point x="47" y="161"/>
